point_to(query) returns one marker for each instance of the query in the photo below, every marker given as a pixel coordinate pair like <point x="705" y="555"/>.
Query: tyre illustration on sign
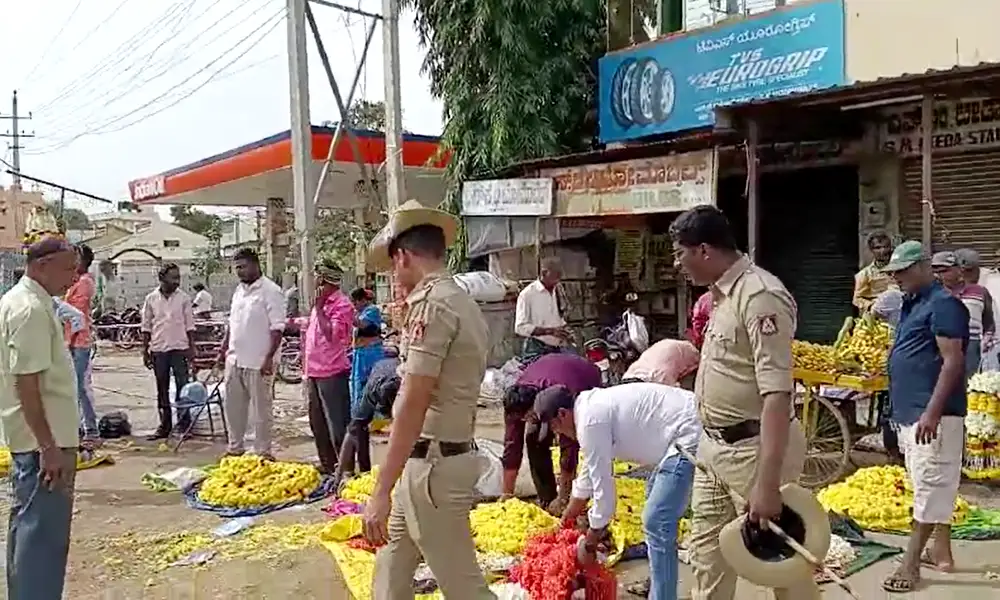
<point x="642" y="93"/>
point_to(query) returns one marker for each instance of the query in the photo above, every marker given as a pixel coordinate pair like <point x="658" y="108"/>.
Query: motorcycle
<point x="615" y="348"/>
<point x="289" y="368"/>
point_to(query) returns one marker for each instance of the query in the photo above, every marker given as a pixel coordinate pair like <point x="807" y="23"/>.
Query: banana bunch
<point x="869" y="344"/>
<point x="248" y="481"/>
<point x="814" y="357"/>
<point x="879" y="499"/>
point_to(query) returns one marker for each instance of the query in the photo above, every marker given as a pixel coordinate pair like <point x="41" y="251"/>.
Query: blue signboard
<point x="677" y="83"/>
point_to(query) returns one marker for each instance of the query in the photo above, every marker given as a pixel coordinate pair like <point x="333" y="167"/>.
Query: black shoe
<point x="159" y="434"/>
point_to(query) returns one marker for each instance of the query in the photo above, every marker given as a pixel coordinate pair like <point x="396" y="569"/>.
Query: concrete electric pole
<point x="395" y="183"/>
<point x="15" y="134"/>
<point x="302" y="181"/>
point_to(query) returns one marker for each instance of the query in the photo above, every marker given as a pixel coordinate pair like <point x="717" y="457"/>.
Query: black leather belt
<point x="423" y="446"/>
<point x="735" y="433"/>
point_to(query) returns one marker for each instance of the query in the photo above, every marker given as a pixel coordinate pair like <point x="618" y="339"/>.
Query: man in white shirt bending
<point x="537" y="317"/>
<point x="637" y="422"/>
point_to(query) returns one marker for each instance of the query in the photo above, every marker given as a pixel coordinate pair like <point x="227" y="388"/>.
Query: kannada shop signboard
<point x="665" y="184"/>
<point x="677" y="83"/>
<point x="959" y="125"/>
<point x="507" y="198"/>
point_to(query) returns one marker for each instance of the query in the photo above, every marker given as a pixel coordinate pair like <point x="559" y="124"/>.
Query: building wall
<point x="888" y="38"/>
<point x="700" y="13"/>
<point x="15" y="207"/>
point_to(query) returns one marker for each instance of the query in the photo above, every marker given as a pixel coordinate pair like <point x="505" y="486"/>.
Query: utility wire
<point x="138" y="84"/>
<point x="104" y="128"/>
<point x="52" y="42"/>
<point x="124" y="51"/>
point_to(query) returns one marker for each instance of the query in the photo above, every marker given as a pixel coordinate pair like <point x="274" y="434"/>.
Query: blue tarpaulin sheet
<point x="327" y="486"/>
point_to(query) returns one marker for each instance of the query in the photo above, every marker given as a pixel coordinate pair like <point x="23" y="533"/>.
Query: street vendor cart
<point x="832" y="426"/>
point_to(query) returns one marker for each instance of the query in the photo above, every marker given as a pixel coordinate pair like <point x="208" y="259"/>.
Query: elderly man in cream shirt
<point x="537" y="317"/>
<point x="38" y="421"/>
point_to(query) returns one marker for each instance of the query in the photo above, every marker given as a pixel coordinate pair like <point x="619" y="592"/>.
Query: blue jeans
<point x="667" y="493"/>
<point x="88" y="418"/>
<point x="39" y="529"/>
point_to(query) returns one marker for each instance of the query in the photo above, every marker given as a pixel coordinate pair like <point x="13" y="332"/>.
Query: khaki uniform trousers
<point x="713" y="508"/>
<point x="430" y="520"/>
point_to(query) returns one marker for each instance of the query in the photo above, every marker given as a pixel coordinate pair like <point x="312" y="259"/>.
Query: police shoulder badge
<point x="768" y="324"/>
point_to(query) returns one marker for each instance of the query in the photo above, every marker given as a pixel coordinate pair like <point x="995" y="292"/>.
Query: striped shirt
<point x="979" y="303"/>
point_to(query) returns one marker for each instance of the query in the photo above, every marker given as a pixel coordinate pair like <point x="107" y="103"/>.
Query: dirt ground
<point x="119" y="525"/>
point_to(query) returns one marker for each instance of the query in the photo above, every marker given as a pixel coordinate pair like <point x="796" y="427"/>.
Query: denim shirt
<point x="915" y="361"/>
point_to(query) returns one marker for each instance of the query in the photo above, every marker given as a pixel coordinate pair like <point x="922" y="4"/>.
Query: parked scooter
<point x="615" y="348"/>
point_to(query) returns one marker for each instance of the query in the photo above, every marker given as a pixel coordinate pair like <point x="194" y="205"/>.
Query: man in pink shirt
<point x="167" y="346"/>
<point x="326" y="363"/>
<point x="80" y="296"/>
<point x="670" y="362"/>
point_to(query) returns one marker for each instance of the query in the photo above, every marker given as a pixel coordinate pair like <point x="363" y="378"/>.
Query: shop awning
<point x="250" y="174"/>
<point x="983" y="78"/>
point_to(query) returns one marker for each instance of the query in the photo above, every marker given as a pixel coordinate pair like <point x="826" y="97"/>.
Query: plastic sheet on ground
<point x="326" y="487"/>
<point x="867" y="552"/>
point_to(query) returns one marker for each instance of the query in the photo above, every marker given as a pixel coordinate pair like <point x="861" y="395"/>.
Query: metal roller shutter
<point x="965" y="189"/>
<point x="809" y="232"/>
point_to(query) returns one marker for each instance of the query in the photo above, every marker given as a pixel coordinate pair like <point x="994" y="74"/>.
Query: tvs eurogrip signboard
<point x="676" y="83"/>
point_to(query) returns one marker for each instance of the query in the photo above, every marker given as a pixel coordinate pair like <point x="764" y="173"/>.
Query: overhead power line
<point x="124" y="121"/>
<point x="52" y="42"/>
<point x="153" y="70"/>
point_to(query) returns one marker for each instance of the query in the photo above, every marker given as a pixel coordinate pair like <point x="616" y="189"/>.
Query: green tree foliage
<point x="365" y="114"/>
<point x="195" y="220"/>
<point x="517" y="79"/>
<point x="208" y="260"/>
<point x="71" y="218"/>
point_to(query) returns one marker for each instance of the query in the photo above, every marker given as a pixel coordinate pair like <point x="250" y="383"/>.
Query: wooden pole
<point x="753" y="201"/>
<point x="926" y="206"/>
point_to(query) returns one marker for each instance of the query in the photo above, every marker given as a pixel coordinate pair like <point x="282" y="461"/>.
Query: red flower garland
<point x="550" y="571"/>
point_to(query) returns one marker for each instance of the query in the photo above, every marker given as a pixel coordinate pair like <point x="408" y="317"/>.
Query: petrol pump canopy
<point x="250" y="174"/>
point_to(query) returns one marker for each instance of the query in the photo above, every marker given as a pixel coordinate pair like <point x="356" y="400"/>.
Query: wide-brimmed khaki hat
<point x="763" y="558"/>
<point x="411" y="214"/>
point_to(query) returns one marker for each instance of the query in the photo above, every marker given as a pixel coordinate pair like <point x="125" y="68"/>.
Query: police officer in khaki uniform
<point x="744" y="389"/>
<point x="430" y="461"/>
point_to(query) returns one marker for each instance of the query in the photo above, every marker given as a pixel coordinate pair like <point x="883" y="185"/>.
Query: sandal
<point x="640" y="588"/>
<point x="899" y="583"/>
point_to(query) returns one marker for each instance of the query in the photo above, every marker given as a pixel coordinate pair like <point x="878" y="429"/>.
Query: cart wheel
<point x="828" y="443"/>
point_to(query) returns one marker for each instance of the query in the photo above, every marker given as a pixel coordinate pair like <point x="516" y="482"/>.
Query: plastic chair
<point x="195" y="398"/>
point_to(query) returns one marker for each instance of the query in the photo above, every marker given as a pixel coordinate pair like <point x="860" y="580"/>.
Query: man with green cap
<point x="927" y="393"/>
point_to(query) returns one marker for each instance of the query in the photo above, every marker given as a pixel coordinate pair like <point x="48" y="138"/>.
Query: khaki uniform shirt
<point x="869" y="283"/>
<point x="32" y="341"/>
<point x="446" y="337"/>
<point x="748" y="346"/>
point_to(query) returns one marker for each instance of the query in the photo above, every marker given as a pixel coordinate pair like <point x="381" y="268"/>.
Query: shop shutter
<point x="966" y="194"/>
<point x="809" y="229"/>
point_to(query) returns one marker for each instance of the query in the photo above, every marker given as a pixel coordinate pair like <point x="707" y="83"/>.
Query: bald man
<point x="40" y="419"/>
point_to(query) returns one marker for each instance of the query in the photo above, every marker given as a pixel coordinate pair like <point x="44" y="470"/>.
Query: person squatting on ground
<point x="377" y="399"/>
<point x="256" y="322"/>
<point x="576" y="374"/>
<point x="430" y="468"/>
<point x="670" y="362"/>
<point x="639" y="422"/>
<point x="927" y="390"/>
<point x="744" y="387"/>
<point x="40" y="418"/>
<point x="328" y="365"/>
<point x="168" y="346"/>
